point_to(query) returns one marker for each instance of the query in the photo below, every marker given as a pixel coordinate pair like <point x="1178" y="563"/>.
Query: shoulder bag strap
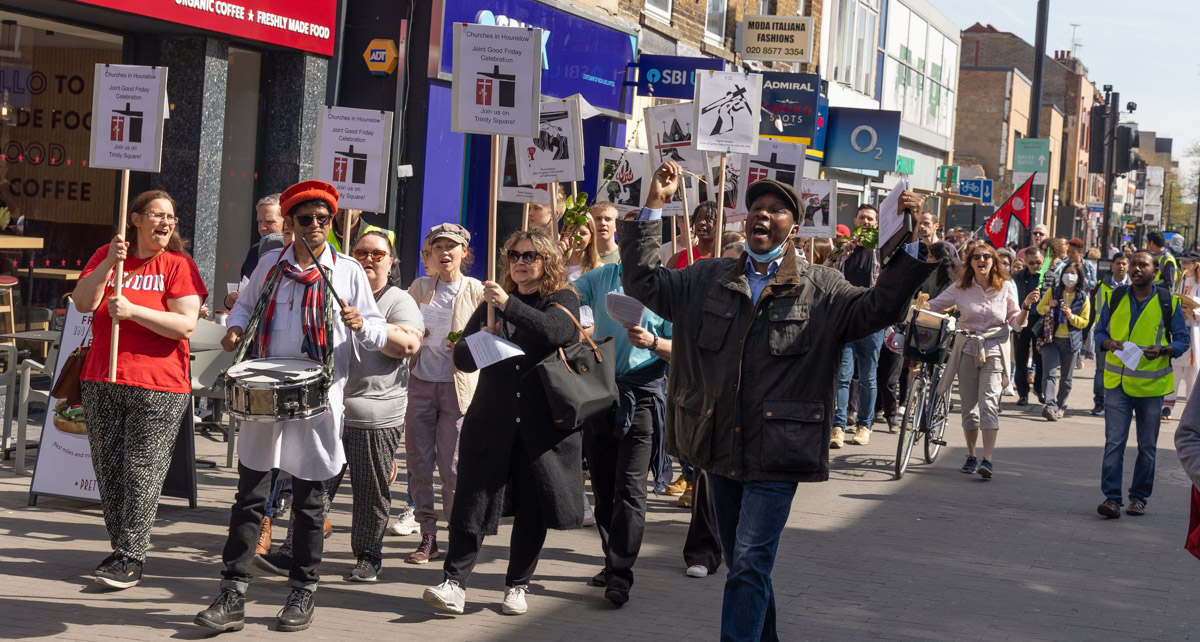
<point x="582" y="335"/>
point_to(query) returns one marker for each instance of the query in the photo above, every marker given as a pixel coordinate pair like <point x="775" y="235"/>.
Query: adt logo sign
<point x="379" y="55"/>
<point x="672" y="76"/>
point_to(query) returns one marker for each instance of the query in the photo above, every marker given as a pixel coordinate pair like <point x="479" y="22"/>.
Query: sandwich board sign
<point x="129" y="104"/>
<point x="354" y="149"/>
<point x="497" y="80"/>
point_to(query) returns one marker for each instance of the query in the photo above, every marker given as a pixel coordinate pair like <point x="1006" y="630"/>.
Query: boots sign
<point x="354" y="148"/>
<point x="128" y="108"/>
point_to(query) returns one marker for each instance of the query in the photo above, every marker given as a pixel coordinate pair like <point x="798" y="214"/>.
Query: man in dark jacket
<point x="1026" y="279"/>
<point x="757" y="347"/>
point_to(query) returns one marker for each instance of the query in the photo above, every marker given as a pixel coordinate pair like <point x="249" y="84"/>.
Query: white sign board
<point x="129" y="104"/>
<point x="779" y="160"/>
<point x="64" y="461"/>
<point x="817" y="199"/>
<point x="669" y="130"/>
<point x="354" y="152"/>
<point x="622" y="178"/>
<point x="511" y="189"/>
<point x="726" y="111"/>
<point x="787" y="38"/>
<point x="497" y="80"/>
<point x="735" y="210"/>
<point x="1019" y="178"/>
<point x="557" y="152"/>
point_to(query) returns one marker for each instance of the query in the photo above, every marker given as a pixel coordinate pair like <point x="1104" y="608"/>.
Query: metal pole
<point x="1197" y="239"/>
<point x="1110" y="161"/>
<point x="1039" y="63"/>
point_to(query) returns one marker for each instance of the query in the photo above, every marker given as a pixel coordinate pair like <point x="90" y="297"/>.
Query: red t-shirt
<point x="144" y="358"/>
<point x="681" y="259"/>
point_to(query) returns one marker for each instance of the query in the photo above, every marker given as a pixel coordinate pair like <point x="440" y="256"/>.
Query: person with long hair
<point x="513" y="459"/>
<point x="439" y="394"/>
<point x="1066" y="308"/>
<point x="132" y="422"/>
<point x="706" y="238"/>
<point x="987" y="310"/>
<point x="581" y="253"/>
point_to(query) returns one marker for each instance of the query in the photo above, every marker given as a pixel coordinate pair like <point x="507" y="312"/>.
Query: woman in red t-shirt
<point x="132" y="423"/>
<point x="704" y="234"/>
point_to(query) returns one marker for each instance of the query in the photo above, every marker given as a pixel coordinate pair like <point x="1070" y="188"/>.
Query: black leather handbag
<point x="580" y="379"/>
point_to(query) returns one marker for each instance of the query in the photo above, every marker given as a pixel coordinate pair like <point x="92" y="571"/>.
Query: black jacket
<point x="750" y="394"/>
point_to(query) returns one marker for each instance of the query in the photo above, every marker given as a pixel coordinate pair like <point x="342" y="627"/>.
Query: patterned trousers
<point x="369" y="456"/>
<point x="132" y="432"/>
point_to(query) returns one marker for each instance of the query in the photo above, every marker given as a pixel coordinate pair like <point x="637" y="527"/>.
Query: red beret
<point x="842" y="231"/>
<point x="307" y="191"/>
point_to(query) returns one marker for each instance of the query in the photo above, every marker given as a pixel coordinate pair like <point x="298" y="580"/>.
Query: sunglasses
<point x="304" y="220"/>
<point x="982" y="257"/>
<point x="527" y="258"/>
<point x="376" y="255"/>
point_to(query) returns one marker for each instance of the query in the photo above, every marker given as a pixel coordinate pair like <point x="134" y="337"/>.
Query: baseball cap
<point x="452" y="231"/>
<point x="780" y="189"/>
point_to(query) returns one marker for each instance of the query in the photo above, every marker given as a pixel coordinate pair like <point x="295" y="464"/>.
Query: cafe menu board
<point x="128" y="108"/>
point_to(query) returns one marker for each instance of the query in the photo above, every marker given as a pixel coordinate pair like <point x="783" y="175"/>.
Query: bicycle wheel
<point x="910" y="425"/>
<point x="937" y="427"/>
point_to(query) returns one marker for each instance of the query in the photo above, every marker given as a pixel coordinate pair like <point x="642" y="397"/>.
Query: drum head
<point x="275" y="370"/>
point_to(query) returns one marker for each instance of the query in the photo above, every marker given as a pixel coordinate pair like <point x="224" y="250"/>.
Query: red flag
<point x="996" y="229"/>
<point x="1193" y="537"/>
<point x="1018" y="204"/>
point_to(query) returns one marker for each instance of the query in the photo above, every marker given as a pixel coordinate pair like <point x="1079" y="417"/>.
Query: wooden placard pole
<point x="493" y="250"/>
<point x="687" y="225"/>
<point x="347" y="246"/>
<point x="555" y="221"/>
<point x="118" y="275"/>
<point x="525" y="218"/>
<point x="575" y="189"/>
<point x="721" y="205"/>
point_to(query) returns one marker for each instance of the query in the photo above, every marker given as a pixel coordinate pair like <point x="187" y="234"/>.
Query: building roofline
<point x="1005" y="69"/>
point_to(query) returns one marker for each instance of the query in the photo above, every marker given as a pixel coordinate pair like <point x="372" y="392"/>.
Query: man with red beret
<point x="290" y="294"/>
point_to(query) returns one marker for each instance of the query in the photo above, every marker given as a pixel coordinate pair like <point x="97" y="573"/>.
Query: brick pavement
<point x="936" y="556"/>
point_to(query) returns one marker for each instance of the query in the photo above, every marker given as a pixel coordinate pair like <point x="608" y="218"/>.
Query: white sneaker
<point x="514" y="600"/>
<point x="589" y="518"/>
<point x="697" y="571"/>
<point x="1009" y="391"/>
<point x="405" y="524"/>
<point x="449" y="597"/>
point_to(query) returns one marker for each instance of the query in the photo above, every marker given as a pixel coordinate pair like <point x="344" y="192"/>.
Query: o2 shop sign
<point x="862" y="139"/>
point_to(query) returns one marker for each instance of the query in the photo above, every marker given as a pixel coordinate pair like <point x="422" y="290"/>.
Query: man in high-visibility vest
<point x="1140" y="341"/>
<point x="1117" y="277"/>
<point x="1168" y="266"/>
<point x="356" y="230"/>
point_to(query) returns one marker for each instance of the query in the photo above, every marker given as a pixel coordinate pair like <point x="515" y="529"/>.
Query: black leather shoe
<point x="227" y="613"/>
<point x="1022" y="401"/>
<point x="297" y="612"/>
<point x="616" y="591"/>
<point x="601" y="578"/>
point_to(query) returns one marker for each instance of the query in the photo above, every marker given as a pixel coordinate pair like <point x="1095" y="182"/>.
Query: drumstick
<point x="328" y="282"/>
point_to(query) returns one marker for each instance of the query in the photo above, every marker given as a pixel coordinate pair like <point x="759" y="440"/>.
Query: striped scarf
<point x="312" y="310"/>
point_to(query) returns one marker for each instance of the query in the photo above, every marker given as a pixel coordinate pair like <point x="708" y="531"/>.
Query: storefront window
<point x="714" y="24"/>
<point x="857" y="35"/>
<point x="918" y="71"/>
<point x="46" y="187"/>
<point x="238" y="176"/>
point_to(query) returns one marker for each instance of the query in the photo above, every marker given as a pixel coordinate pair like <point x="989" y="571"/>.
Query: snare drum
<point x="276" y="389"/>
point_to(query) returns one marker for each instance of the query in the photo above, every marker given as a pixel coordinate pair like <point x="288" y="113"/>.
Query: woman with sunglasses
<point x="438" y="393"/>
<point x="132" y="422"/>
<point x="513" y="459"/>
<point x="1066" y="309"/>
<point x="988" y="308"/>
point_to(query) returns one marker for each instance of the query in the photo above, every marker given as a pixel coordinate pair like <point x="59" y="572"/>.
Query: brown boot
<point x="685" y="500"/>
<point x="327" y="529"/>
<point x="264" y="538"/>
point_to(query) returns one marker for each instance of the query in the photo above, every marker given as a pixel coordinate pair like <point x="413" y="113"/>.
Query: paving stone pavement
<point x="938" y="555"/>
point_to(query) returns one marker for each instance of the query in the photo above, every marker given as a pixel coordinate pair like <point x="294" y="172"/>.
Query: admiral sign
<point x="792" y="99"/>
<point x="776" y="38"/>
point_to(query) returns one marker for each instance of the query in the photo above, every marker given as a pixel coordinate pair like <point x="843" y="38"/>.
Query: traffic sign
<point x="1031" y="155"/>
<point x="970" y="187"/>
<point x="986" y="193"/>
<point x="947" y="174"/>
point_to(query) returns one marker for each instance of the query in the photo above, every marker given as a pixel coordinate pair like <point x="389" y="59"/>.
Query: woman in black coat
<point x="512" y="459"/>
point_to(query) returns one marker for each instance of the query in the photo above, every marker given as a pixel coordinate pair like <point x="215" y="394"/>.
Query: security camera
<point x="1131" y="107"/>
<point x="1108" y="88"/>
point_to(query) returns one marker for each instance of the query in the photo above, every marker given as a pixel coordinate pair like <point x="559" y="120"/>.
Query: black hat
<point x="1190" y="255"/>
<point x="782" y="190"/>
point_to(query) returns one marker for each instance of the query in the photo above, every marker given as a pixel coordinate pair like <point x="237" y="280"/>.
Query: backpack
<point x="1164" y="302"/>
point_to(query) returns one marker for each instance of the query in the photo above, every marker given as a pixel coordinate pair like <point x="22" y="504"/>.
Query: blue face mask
<point x="766" y="257"/>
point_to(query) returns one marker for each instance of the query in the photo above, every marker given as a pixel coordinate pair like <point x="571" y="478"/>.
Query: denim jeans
<point x="863" y="355"/>
<point x="750" y="518"/>
<point x="1098" y="380"/>
<point x="1058" y="359"/>
<point x="1119" y="408"/>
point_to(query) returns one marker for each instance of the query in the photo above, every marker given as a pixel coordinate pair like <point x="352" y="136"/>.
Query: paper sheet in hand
<point x="487" y="348"/>
<point x="437" y="322"/>
<point x="891" y="219"/>
<point x="623" y="308"/>
<point x="1130" y="355"/>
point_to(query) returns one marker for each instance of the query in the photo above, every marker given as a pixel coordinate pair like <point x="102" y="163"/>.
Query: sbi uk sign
<point x="672" y="76"/>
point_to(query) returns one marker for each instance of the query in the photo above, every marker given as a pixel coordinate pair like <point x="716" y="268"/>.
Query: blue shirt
<point x="1180" y="339"/>
<point x="592" y="287"/>
<point x="757" y="281"/>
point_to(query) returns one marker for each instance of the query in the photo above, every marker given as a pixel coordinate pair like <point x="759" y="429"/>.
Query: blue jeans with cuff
<point x="863" y="355"/>
<point x="1119" y="410"/>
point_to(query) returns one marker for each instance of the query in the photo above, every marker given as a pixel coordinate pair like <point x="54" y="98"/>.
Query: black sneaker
<point x="601" y="578"/>
<point x="1098" y="410"/>
<point x="297" y="612"/>
<point x="971" y="465"/>
<point x="227" y="612"/>
<point x="1023" y="401"/>
<point x="985" y="469"/>
<point x="1166" y="413"/>
<point x="122" y="573"/>
<point x="367" y="570"/>
<point x="105" y="566"/>
<point x="616" y="590"/>
<point x="276" y="562"/>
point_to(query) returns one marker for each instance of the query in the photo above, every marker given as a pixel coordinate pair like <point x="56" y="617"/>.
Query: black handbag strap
<point x="582" y="337"/>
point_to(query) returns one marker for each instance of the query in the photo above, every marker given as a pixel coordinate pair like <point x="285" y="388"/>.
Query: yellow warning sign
<point x="381" y="57"/>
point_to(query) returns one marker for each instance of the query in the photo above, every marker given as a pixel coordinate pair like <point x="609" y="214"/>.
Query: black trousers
<point x="528" y="532"/>
<point x="888" y="382"/>
<point x="703" y="545"/>
<point x="618" y="470"/>
<point x="1027" y="347"/>
<point x="249" y="505"/>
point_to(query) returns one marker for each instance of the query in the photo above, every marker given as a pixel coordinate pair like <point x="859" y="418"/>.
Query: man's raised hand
<point x="663" y="184"/>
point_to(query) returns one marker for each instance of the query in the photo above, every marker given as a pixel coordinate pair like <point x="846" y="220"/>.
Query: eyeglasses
<point x="169" y="219"/>
<point x="376" y="255"/>
<point x="528" y="258"/>
<point x="1039" y="233"/>
<point x="304" y="220"/>
<point x="982" y="257"/>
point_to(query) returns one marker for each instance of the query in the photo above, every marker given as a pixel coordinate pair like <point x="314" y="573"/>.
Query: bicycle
<point x="928" y="339"/>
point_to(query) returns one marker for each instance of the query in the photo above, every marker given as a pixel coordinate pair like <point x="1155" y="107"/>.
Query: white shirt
<point x="307" y="448"/>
